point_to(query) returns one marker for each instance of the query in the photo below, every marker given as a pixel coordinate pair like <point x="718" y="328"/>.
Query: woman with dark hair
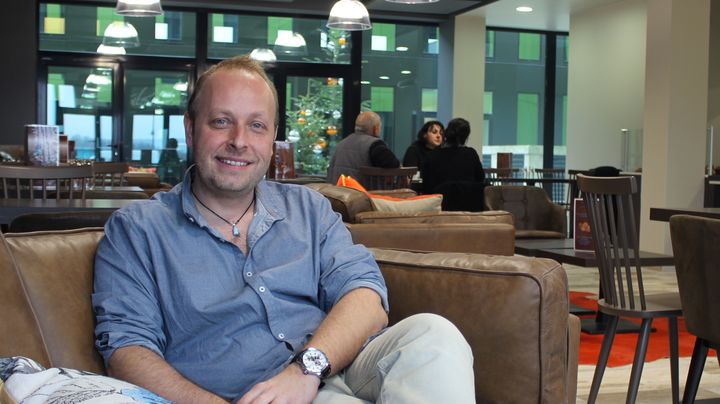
<point x="455" y="170"/>
<point x="429" y="137"/>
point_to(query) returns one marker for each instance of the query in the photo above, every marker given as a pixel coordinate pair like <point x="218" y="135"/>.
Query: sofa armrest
<point x="513" y="311"/>
<point x="486" y="238"/>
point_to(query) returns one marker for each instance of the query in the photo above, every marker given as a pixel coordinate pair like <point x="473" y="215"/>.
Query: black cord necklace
<point x="235" y="230"/>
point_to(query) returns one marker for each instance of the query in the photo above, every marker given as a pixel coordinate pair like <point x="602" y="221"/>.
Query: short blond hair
<point x="242" y="63"/>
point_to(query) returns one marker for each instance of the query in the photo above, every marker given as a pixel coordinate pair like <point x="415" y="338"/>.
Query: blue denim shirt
<point x="167" y="281"/>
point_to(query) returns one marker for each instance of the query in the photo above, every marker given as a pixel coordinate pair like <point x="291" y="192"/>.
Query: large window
<point x="98" y="30"/>
<point x="289" y="39"/>
<point x="526" y="98"/>
<point x="399" y="79"/>
<point x="118" y="86"/>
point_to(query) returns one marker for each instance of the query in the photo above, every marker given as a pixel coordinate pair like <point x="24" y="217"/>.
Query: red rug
<point x="623" y="349"/>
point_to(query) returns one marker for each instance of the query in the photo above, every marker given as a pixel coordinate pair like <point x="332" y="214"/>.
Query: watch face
<point x="314" y="361"/>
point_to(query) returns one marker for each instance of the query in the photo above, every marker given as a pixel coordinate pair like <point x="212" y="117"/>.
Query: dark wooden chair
<point x="110" y="173"/>
<point x="609" y="204"/>
<point x="695" y="243"/>
<point x="33" y="182"/>
<point x="376" y="178"/>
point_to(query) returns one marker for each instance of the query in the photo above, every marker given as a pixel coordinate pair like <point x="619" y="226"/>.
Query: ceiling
<point x="432" y="12"/>
<point x="547" y="15"/>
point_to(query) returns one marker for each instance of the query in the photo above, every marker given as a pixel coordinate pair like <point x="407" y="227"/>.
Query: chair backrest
<point x="493" y="173"/>
<point x="31" y="182"/>
<point x="609" y="204"/>
<point x="695" y="243"/>
<point x="110" y="173"/>
<point x="558" y="190"/>
<point x="387" y="178"/>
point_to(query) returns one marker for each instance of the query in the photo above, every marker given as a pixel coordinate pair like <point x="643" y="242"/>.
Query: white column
<point x="469" y="75"/>
<point x="676" y="106"/>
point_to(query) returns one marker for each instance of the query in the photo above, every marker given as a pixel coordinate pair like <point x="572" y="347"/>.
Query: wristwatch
<point x="313" y="361"/>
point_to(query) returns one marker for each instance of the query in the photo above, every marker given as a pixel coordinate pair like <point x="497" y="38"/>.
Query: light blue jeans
<point x="422" y="359"/>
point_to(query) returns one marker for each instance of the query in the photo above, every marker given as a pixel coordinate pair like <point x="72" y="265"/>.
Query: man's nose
<point x="238" y="137"/>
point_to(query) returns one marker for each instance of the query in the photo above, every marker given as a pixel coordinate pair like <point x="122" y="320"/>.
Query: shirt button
<point x="261" y="289"/>
<point x="281" y="336"/>
<point x="249" y="274"/>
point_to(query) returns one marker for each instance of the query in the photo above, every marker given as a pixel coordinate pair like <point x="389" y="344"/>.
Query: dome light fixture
<point x="138" y="8"/>
<point x="349" y="15"/>
<point x="263" y="55"/>
<point x="524" y="9"/>
<point x="121" y="34"/>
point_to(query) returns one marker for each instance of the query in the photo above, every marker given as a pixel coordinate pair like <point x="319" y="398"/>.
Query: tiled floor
<point x="655" y="381"/>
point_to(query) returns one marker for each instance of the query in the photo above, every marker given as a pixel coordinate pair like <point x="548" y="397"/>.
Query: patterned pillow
<point x="24" y="380"/>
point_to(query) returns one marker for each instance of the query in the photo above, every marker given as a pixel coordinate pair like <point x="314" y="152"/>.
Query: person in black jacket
<point x="429" y="137"/>
<point x="455" y="170"/>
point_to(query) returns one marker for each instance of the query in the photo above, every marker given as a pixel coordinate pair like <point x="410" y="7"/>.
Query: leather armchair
<point x="535" y="215"/>
<point x="512" y="310"/>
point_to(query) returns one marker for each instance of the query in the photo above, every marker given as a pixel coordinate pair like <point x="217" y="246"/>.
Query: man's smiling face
<point x="233" y="131"/>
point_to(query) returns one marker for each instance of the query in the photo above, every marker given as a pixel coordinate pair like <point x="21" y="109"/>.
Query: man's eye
<point x="219" y="122"/>
<point x="258" y="125"/>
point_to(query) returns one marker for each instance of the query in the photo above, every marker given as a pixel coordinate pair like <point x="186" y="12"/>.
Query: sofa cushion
<point x="415" y="204"/>
<point x="47" y="280"/>
<point x="24" y="380"/>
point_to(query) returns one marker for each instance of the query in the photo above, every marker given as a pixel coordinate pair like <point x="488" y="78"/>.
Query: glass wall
<point x="289" y="39"/>
<point x="88" y="29"/>
<point x="516" y="115"/>
<point x="79" y="101"/>
<point x="154" y="133"/>
<point x="399" y="79"/>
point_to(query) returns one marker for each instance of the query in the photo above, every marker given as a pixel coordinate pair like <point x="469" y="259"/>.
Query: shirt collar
<point x="267" y="200"/>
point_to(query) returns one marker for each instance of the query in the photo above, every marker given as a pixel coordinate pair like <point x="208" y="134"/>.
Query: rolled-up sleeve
<point x="345" y="266"/>
<point x="125" y="294"/>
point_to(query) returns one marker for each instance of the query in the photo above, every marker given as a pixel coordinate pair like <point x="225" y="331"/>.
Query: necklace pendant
<point x="236" y="232"/>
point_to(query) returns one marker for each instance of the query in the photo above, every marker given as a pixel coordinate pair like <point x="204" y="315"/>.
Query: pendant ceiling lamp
<point x="412" y="1"/>
<point x="139" y="8"/>
<point x="289" y="43"/>
<point x="263" y="55"/>
<point x="110" y="50"/>
<point x="121" y="34"/>
<point x="349" y="15"/>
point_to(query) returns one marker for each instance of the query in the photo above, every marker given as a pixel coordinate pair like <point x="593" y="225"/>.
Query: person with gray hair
<point x="361" y="148"/>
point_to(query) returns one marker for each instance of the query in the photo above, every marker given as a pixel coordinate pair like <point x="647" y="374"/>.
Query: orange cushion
<point x="385" y="203"/>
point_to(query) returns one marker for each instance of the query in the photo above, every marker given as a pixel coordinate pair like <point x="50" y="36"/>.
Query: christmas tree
<point x="315" y="118"/>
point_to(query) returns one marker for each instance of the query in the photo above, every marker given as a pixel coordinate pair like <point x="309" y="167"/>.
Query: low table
<point x="663" y="214"/>
<point x="10" y="208"/>
<point x="563" y="251"/>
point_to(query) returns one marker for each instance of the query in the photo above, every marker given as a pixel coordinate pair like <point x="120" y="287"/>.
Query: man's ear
<point x="188" y="123"/>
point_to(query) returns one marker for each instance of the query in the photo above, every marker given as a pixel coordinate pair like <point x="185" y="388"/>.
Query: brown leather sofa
<point x="512" y="310"/>
<point x="356" y="207"/>
<point x="535" y="215"/>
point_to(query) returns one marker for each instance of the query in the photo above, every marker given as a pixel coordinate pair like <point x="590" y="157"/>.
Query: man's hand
<point x="289" y="386"/>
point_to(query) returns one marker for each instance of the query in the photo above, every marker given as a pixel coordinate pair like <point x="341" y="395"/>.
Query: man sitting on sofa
<point x="230" y="287"/>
